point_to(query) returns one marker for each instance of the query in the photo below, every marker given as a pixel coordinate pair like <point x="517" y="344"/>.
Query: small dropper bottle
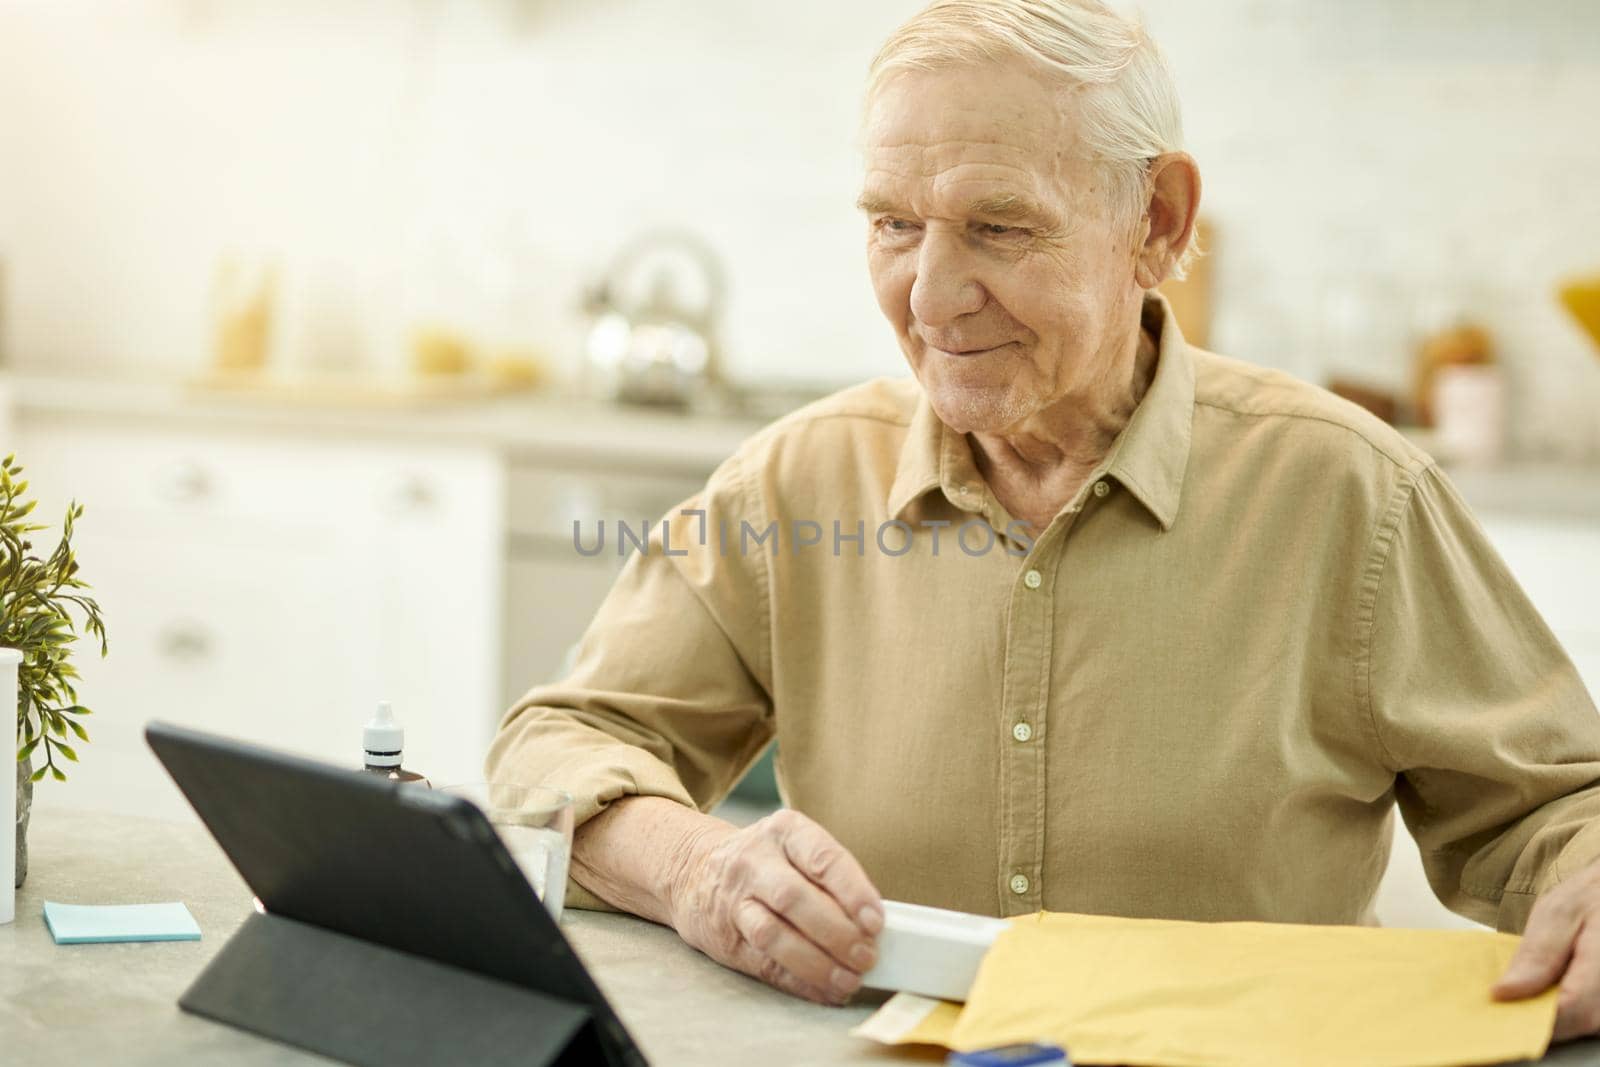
<point x="384" y="741"/>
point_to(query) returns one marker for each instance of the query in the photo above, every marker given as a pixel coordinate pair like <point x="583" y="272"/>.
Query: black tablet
<point x="401" y="867"/>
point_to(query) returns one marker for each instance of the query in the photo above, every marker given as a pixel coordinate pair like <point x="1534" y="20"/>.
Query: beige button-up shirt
<point x="1197" y="694"/>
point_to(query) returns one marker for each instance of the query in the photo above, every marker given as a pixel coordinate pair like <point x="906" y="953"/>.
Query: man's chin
<point x="969" y="409"/>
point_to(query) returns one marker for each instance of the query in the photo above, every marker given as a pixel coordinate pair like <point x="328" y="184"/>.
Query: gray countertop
<point x="117" y="1004"/>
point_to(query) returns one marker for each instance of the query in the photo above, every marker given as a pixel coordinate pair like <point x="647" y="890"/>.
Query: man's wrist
<point x="685" y="864"/>
<point x="642" y="853"/>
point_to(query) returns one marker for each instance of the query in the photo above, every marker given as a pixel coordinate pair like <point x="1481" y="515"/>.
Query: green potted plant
<point x="39" y="595"/>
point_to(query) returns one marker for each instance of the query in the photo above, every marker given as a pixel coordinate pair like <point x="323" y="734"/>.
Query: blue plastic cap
<point x="1033" y="1054"/>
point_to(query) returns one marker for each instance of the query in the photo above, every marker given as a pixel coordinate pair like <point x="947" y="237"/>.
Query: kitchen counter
<point x="117" y="1004"/>
<point x="1546" y="490"/>
<point x="546" y="426"/>
<point x="540" y="425"/>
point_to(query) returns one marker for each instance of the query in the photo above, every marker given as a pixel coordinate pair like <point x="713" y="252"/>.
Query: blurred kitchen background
<point x="337" y="315"/>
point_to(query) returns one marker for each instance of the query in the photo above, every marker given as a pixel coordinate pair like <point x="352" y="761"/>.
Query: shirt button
<point x="1101" y="488"/>
<point x="1019" y="884"/>
<point x="1033" y="579"/>
<point x="1022" y="732"/>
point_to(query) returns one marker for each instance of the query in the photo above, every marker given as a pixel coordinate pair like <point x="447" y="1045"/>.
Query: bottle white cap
<point x="383" y="738"/>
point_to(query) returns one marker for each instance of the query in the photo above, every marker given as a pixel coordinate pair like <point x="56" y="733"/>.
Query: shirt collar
<point x="1149" y="456"/>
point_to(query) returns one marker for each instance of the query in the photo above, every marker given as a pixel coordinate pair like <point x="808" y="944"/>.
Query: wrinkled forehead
<point x="920" y="126"/>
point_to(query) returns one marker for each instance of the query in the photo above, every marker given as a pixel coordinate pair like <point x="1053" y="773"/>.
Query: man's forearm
<point x="633" y="854"/>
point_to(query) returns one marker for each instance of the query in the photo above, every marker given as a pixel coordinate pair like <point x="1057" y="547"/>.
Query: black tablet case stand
<point x="374" y="1006"/>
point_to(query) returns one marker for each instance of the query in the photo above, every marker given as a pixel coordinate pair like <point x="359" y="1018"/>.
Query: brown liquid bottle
<point x="384" y="741"/>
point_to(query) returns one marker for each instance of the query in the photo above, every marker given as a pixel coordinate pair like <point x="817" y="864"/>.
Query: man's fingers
<point x="818" y="917"/>
<point x="820" y="858"/>
<point x="774" y="938"/>
<point x="751" y="961"/>
<point x="1546" y="947"/>
<point x="792" y="908"/>
<point x="1578" y="1009"/>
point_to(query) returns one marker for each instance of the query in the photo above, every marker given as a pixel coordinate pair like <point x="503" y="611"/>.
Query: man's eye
<point x="994" y="229"/>
<point x="896" y="225"/>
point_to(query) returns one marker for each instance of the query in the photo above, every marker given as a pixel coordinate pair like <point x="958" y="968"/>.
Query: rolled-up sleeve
<point x="1476" y="708"/>
<point x="669" y="695"/>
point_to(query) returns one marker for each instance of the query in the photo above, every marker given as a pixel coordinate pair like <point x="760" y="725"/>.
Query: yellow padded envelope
<point x="1183" y="994"/>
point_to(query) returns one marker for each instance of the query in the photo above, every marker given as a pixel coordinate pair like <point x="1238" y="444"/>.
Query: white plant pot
<point x="10" y="660"/>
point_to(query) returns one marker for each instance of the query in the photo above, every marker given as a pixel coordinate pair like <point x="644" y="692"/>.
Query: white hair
<point x="1129" y="105"/>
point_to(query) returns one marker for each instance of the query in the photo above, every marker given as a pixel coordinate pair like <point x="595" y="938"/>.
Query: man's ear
<point x="1168" y="223"/>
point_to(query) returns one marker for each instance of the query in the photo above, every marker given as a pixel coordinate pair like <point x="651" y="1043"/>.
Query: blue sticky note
<point x="81" y="924"/>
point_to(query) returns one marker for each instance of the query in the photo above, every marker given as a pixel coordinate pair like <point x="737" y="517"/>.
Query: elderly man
<point x="1084" y="618"/>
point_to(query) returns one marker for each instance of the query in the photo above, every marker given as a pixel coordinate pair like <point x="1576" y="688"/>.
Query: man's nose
<point x="945" y="288"/>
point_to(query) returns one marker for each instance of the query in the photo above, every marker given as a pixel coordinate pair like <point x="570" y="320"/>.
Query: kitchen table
<point x="117" y="1004"/>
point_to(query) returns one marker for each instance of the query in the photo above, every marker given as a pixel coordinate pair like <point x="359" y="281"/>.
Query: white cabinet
<point x="553" y="589"/>
<point x="273" y="587"/>
<point x="550" y="600"/>
<point x="272" y="579"/>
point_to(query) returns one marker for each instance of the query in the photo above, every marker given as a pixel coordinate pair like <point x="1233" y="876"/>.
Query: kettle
<point x="653" y="316"/>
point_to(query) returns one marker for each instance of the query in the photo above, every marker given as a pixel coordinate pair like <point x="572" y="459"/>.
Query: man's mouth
<point x="969" y="351"/>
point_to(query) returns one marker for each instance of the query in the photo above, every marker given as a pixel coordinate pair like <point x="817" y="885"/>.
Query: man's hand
<point x="1562" y="942"/>
<point x="782" y="901"/>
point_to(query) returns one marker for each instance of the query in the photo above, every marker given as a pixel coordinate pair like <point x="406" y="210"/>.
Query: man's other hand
<point x="782" y="901"/>
<point x="1562" y="943"/>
